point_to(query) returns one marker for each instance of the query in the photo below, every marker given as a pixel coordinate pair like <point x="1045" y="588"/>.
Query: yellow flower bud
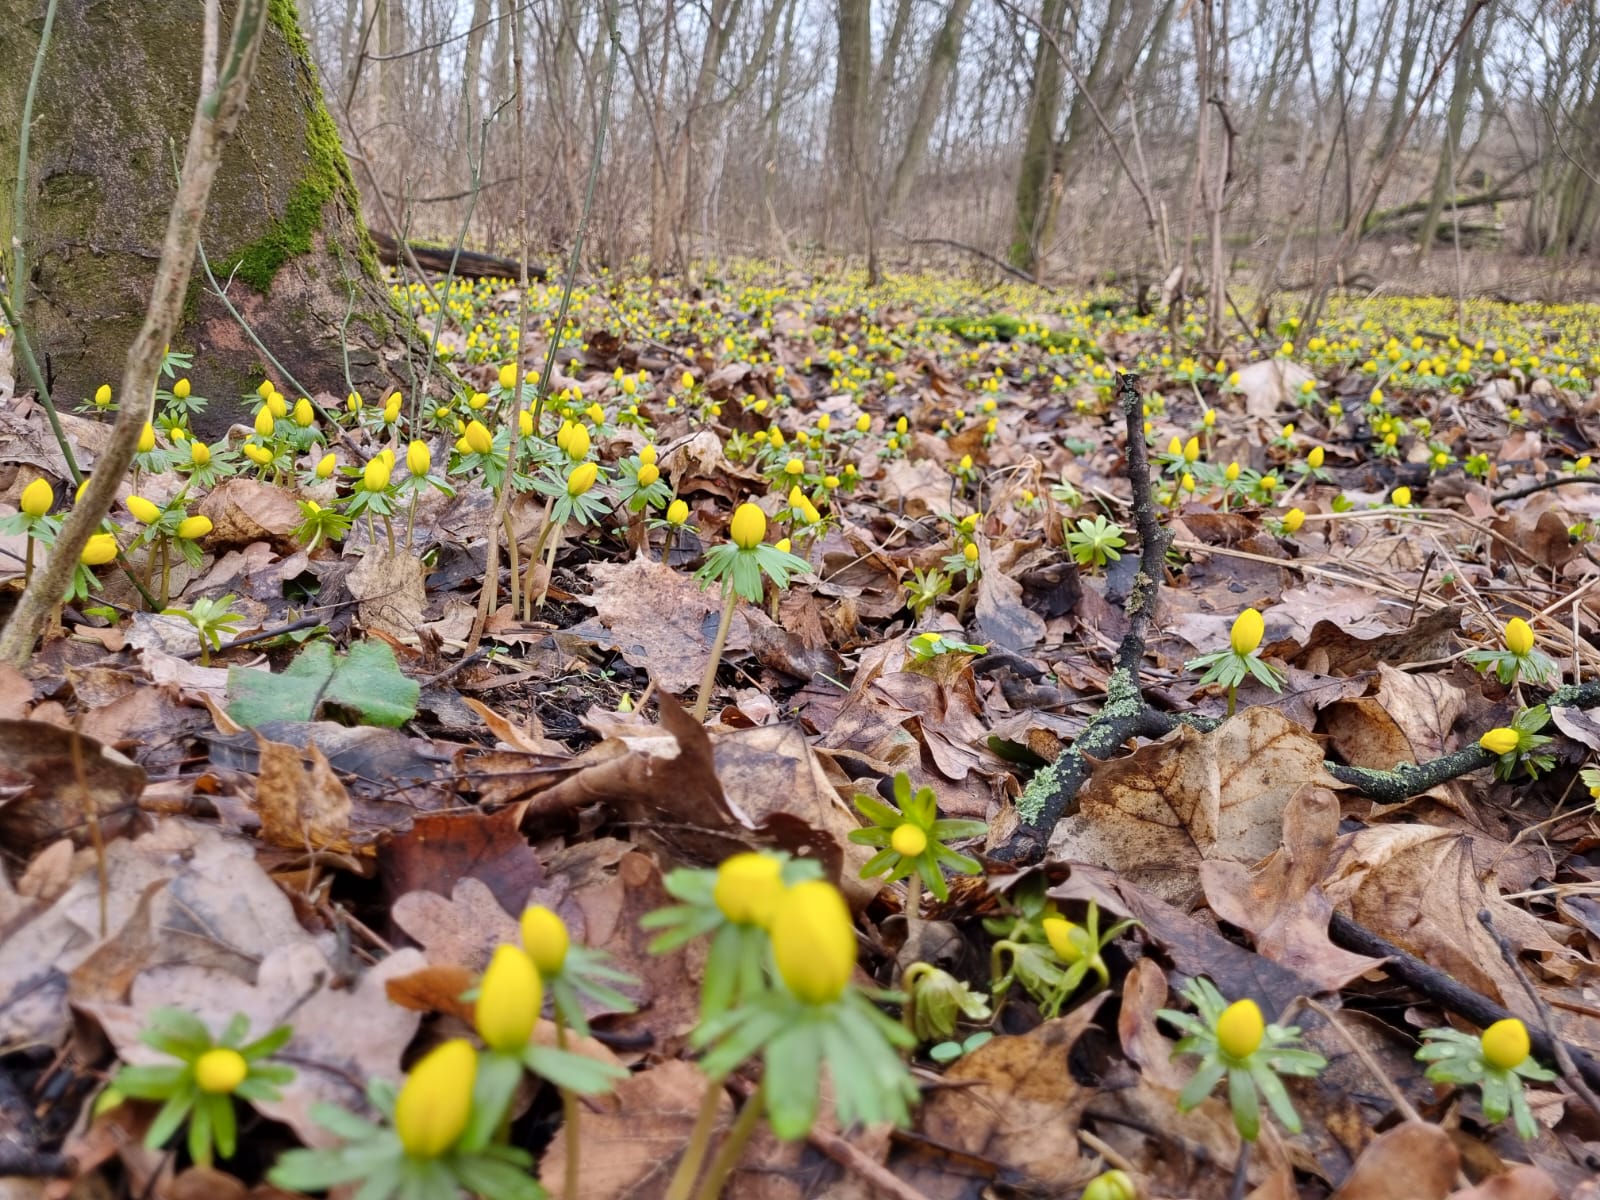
<point x="1175" y="448"/>
<point x="353" y="402"/>
<point x="813" y="942"/>
<point x="1111" y="1185"/>
<point x="970" y="552"/>
<point x="545" y="938"/>
<point x="1069" y="940"/>
<point x="143" y="511"/>
<point x="686" y="381"/>
<point x="1500" y="741"/>
<point x="647" y="456"/>
<point x="375" y="476"/>
<point x="304" y="414"/>
<point x="508" y="1000"/>
<point x="1232" y="472"/>
<point x="265" y="388"/>
<point x="191" y="528"/>
<point x="596" y="414"/>
<point x="102" y="395"/>
<point x="1248" y="628"/>
<point x="749" y="526"/>
<point x="794" y="467"/>
<point x="260" y="455"/>
<point x="277" y="405"/>
<point x="38" y="498"/>
<point x="264" y="422"/>
<point x="1191" y="450"/>
<point x="326" y="464"/>
<point x="1315" y="459"/>
<point x="748" y="888"/>
<point x="147" y="438"/>
<point x="199" y="453"/>
<point x="648" y="474"/>
<point x="508" y="376"/>
<point x="1401" y="497"/>
<point x="581" y="478"/>
<point x="1187" y="483"/>
<point x="908" y="840"/>
<point x="1505" y="1044"/>
<point x="181" y="389"/>
<point x="1240" y="1029"/>
<point x="419" y="459"/>
<point x="677" y="512"/>
<point x="1292" y="520"/>
<point x="1209" y="418"/>
<point x="784" y="544"/>
<point x="100" y="549"/>
<point x="477" y="437"/>
<point x="578" y="443"/>
<point x="219" y="1070"/>
<point x="864" y="423"/>
<point x="435" y="1101"/>
<point x="901" y="425"/>
<point x="1519" y="636"/>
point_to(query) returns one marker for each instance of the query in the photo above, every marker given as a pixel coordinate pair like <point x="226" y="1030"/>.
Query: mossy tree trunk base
<point x="119" y="86"/>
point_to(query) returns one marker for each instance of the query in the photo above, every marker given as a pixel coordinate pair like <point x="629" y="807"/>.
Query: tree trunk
<point x="1469" y="64"/>
<point x="941" y="62"/>
<point x="1038" y="152"/>
<point x="848" y="152"/>
<point x="284" y="220"/>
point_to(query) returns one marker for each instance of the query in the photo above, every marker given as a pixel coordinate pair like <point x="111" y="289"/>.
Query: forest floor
<point x="308" y="796"/>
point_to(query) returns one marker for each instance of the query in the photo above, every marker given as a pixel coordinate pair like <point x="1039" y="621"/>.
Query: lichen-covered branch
<point x="1124" y="714"/>
<point x="216" y="116"/>
<point x="1412" y="779"/>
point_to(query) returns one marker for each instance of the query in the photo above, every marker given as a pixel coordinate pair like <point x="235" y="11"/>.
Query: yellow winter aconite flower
<point x="419" y="459"/>
<point x="147" y="438"/>
<point x="477" y="437"/>
<point x="219" y="1070"/>
<point x="545" y="939"/>
<point x="970" y="552"/>
<point x="304" y="414"/>
<point x="581" y="478"/>
<point x="143" y="511"/>
<point x="864" y="423"/>
<point x="1068" y="939"/>
<point x="1293" y="519"/>
<point x="749" y="526"/>
<point x="1248" y="628"/>
<point x="1232" y="472"/>
<point x="260" y="455"/>
<point x="1519" y="636"/>
<point x="264" y="422"/>
<point x="277" y="405"/>
<point x="578" y="443"/>
<point x="181" y="389"/>
<point x="647" y="456"/>
<point x="1315" y="459"/>
<point x="794" y="467"/>
<point x="191" y="528"/>
<point x="1500" y="741"/>
<point x="375" y="476"/>
<point x="100" y="549"/>
<point x="813" y="942"/>
<point x="1505" y="1044"/>
<point x="326" y="464"/>
<point x="648" y="474"/>
<point x="435" y="1101"/>
<point x="748" y="888"/>
<point x="509" y="999"/>
<point x="677" y="512"/>
<point x="1240" y="1029"/>
<point x="37" y="498"/>
<point x="102" y="395"/>
<point x="508" y="376"/>
<point x="1401" y="497"/>
<point x="199" y="453"/>
<point x="1191" y="450"/>
<point x="908" y="840"/>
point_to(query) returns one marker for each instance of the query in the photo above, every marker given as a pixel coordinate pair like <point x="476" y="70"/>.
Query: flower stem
<point x="533" y="559"/>
<point x="666" y="546"/>
<point x="515" y="561"/>
<point x="708" y="681"/>
<point x="913" y="905"/>
<point x="694" y="1151"/>
<point x="733" y="1147"/>
<point x="569" y="1121"/>
<point x="1233" y="695"/>
<point x="27" y="563"/>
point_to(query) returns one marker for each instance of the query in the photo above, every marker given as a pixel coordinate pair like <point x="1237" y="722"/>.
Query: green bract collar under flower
<point x="911" y="838"/>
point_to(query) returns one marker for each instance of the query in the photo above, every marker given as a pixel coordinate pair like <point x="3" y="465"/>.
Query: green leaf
<point x="793" y="1065"/>
<point x="149" y="1083"/>
<point x="367" y="684"/>
<point x="169" y="1118"/>
<point x="177" y="1032"/>
<point x="572" y="1071"/>
<point x="492" y="1090"/>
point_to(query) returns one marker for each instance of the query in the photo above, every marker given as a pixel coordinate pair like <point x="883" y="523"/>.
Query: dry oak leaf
<point x="1013" y="1102"/>
<point x="1157" y="814"/>
<point x="1280" y="902"/>
<point x="1412" y="1161"/>
<point x="660" y="620"/>
<point x="302" y="806"/>
<point x="1422" y="889"/>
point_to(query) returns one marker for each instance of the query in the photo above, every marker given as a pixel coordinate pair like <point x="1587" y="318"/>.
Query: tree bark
<point x="284" y="219"/>
<point x="935" y="78"/>
<point x="1034" y="180"/>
